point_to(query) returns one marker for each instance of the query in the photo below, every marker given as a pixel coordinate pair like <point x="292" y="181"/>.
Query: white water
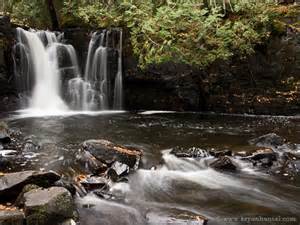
<point x="186" y="186"/>
<point x="46" y="87"/>
<point x="118" y="92"/>
<point x="93" y="91"/>
<point x="46" y="92"/>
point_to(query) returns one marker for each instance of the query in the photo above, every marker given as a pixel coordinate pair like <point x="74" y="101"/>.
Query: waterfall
<point x="118" y="92"/>
<point x="49" y="78"/>
<point x="43" y="60"/>
<point x="93" y="90"/>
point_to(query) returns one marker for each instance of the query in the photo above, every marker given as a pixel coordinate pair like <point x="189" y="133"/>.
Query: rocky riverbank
<point x="43" y="197"/>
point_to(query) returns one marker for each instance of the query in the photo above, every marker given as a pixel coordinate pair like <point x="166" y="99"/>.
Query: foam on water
<point x="29" y="113"/>
<point x="150" y="112"/>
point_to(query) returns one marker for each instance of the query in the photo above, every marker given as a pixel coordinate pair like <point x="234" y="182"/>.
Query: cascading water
<point x="118" y="94"/>
<point x="94" y="90"/>
<point x="49" y="78"/>
<point x="42" y="64"/>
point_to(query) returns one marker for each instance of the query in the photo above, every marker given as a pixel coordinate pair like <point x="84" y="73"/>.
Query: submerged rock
<point x="11" y="217"/>
<point x="291" y="155"/>
<point x="224" y="163"/>
<point x="189" y="152"/>
<point x="108" y="152"/>
<point x="30" y="147"/>
<point x="290" y="170"/>
<point x="11" y="184"/>
<point x="4" y="134"/>
<point x="48" y="206"/>
<point x="175" y="217"/>
<point x="268" y="140"/>
<point x="90" y="182"/>
<point x="5" y="163"/>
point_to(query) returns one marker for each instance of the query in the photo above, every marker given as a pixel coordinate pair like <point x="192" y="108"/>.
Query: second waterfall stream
<point x="50" y="79"/>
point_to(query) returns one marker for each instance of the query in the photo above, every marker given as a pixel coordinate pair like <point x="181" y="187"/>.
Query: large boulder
<point x="108" y="152"/>
<point x="11" y="184"/>
<point x="48" y="206"/>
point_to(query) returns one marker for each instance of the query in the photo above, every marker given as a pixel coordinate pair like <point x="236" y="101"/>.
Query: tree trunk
<point x="52" y="13"/>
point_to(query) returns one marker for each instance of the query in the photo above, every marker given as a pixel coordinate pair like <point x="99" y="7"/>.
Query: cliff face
<point x="267" y="82"/>
<point x="7" y="87"/>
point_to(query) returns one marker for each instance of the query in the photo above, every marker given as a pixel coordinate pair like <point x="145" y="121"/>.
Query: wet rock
<point x="89" y="162"/>
<point x="289" y="170"/>
<point x="263" y="158"/>
<point x="70" y="186"/>
<point x="11" y="184"/>
<point x="265" y="163"/>
<point x="120" y="168"/>
<point x="5" y="163"/>
<point x="31" y="144"/>
<point x="20" y="200"/>
<point x="90" y="182"/>
<point x="11" y="217"/>
<point x="68" y="222"/>
<point x="263" y="153"/>
<point x="103" y="194"/>
<point x="48" y="206"/>
<point x="109" y="194"/>
<point x="4" y="134"/>
<point x="112" y="175"/>
<point x="220" y="153"/>
<point x="291" y="155"/>
<point x="108" y="152"/>
<point x="268" y="140"/>
<point x="30" y="147"/>
<point x="242" y="153"/>
<point x="189" y="152"/>
<point x="224" y="163"/>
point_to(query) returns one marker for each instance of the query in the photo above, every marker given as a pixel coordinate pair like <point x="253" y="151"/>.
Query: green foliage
<point x="27" y="12"/>
<point x="194" y="32"/>
<point x="190" y="33"/>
